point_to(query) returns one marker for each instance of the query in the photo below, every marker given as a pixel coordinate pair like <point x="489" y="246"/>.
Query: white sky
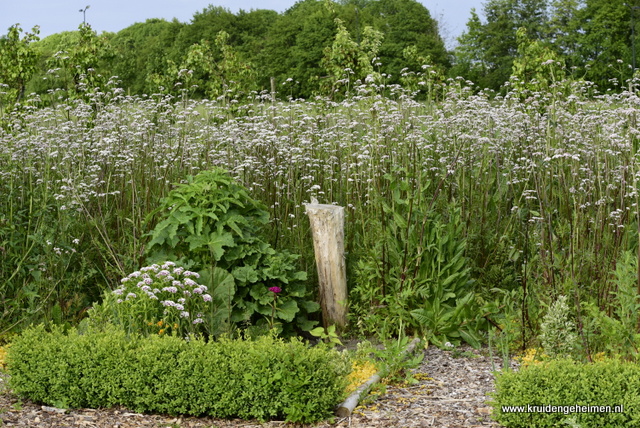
<point x="113" y="15"/>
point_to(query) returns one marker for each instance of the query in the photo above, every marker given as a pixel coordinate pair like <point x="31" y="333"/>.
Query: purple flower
<point x="198" y="321"/>
<point x="275" y="289"/>
<point x="206" y="297"/>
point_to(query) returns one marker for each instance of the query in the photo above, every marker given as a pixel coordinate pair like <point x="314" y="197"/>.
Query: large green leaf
<point x="287" y="311"/>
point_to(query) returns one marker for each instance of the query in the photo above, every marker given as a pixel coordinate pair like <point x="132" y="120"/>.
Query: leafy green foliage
<point x="347" y="61"/>
<point x="537" y="67"/>
<point x="395" y="362"/>
<point x="565" y="383"/>
<point x="213" y="71"/>
<point x="559" y="337"/>
<point x="80" y="70"/>
<point x="421" y="278"/>
<point x="263" y="379"/>
<point x="19" y="61"/>
<point x="328" y="335"/>
<point x="616" y="333"/>
<point x="211" y="223"/>
<point x="141" y="53"/>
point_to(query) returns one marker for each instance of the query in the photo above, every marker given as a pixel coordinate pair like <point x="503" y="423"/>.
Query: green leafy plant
<point x="616" y="333"/>
<point x="266" y="378"/>
<point x="19" y="63"/>
<point x="328" y="335"/>
<point x="559" y="337"/>
<point x="396" y="362"/>
<point x="609" y="386"/>
<point x="210" y="224"/>
<point x="415" y="273"/>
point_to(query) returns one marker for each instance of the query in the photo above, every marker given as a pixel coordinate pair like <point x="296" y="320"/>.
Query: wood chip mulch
<point x="451" y="392"/>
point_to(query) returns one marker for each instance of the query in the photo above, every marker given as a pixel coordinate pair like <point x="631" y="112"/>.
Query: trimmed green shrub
<point x="268" y="378"/>
<point x="565" y="383"/>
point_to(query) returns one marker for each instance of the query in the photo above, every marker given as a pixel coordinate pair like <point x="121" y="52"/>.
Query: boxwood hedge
<point x="263" y="379"/>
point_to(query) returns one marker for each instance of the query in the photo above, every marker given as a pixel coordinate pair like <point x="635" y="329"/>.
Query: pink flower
<point x="275" y="289"/>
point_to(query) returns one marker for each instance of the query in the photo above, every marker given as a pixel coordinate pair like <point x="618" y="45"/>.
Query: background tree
<point x="469" y="60"/>
<point x="492" y="46"/>
<point x="141" y="50"/>
<point x="84" y="66"/>
<point x="536" y="66"/>
<point x="19" y="63"/>
<point x="404" y="23"/>
<point x="253" y="29"/>
<point x="296" y="45"/>
<point x="605" y="39"/>
<point x="346" y="61"/>
<point x="566" y="30"/>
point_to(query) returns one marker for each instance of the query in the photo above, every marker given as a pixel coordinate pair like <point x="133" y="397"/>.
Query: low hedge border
<point x="262" y="379"/>
<point x="565" y="383"/>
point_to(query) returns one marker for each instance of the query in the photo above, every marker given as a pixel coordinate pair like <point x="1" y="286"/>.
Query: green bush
<point x="211" y="223"/>
<point x="566" y="383"/>
<point x="263" y="379"/>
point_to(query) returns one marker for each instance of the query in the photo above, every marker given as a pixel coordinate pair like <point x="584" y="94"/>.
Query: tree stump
<point x="327" y="227"/>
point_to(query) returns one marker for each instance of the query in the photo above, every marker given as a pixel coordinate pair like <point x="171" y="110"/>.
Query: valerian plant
<point x="165" y="299"/>
<point x="211" y="224"/>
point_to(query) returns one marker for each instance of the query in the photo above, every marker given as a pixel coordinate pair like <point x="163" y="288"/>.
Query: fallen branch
<point x="345" y="409"/>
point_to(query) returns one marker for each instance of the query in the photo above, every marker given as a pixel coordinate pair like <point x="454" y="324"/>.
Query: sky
<point x="54" y="16"/>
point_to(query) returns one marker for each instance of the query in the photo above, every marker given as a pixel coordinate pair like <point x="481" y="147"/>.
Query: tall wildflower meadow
<point x="543" y="187"/>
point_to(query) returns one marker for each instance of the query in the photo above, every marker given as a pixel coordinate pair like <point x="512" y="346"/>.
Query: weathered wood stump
<point x="327" y="227"/>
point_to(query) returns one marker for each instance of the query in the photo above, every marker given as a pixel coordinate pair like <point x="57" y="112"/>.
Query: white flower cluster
<point x="170" y="285"/>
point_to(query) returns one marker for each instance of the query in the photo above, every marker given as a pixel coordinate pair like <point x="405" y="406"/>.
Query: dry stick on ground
<point x="345" y="409"/>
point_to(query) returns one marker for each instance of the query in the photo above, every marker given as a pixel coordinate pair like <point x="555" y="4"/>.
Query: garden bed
<point x="451" y="391"/>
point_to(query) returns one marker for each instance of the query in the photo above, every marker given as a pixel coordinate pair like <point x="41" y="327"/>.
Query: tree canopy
<point x="314" y="45"/>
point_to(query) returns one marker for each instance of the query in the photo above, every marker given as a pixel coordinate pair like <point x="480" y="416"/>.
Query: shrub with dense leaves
<point x="526" y="398"/>
<point x="264" y="379"/>
<point x="211" y="224"/>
